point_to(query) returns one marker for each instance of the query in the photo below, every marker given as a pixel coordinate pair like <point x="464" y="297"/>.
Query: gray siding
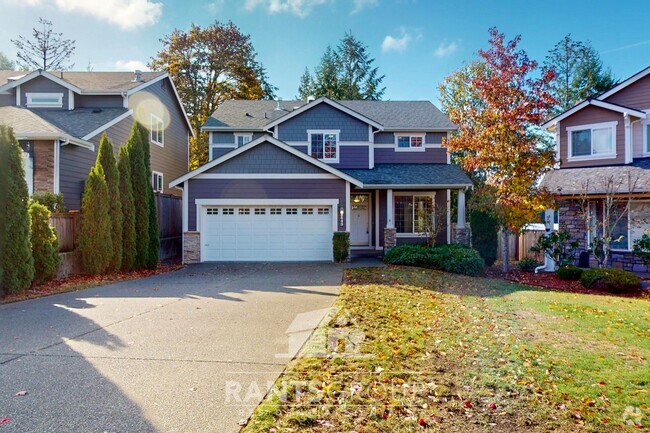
<point x="8" y="99"/>
<point x="261" y="189"/>
<point x="42" y="85"/>
<point x="220" y="137"/>
<point x="94" y="101"/>
<point x="220" y="151"/>
<point x="74" y="166"/>
<point x="352" y="157"/>
<point x="266" y="158"/>
<point x="429" y="156"/>
<point x="323" y="116"/>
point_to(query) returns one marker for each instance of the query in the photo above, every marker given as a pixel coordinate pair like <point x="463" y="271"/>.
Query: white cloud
<point x="215" y="6"/>
<point x="302" y="8"/>
<point x="130" y="65"/>
<point x="127" y="14"/>
<point x="360" y="5"/>
<point x="446" y="49"/>
<point x="396" y="43"/>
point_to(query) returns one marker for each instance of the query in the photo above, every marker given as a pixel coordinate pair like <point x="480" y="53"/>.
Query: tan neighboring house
<point x="603" y="145"/>
<point x="59" y="118"/>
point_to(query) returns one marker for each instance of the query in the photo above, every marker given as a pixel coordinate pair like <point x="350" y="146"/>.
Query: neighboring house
<point x="59" y="118"/>
<point x="284" y="175"/>
<point x="603" y="145"/>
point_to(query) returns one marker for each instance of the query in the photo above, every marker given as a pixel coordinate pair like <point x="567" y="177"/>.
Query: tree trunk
<point x="506" y="250"/>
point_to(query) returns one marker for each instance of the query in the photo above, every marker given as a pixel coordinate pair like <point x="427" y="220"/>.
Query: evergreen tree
<point x="485" y="238"/>
<point x="141" y="183"/>
<point x="128" y="211"/>
<point x="154" y="237"/>
<point x="45" y="246"/>
<point x="16" y="261"/>
<point x="306" y="87"/>
<point x="95" y="237"/>
<point x="106" y="158"/>
<point x="326" y="79"/>
<point x="591" y="76"/>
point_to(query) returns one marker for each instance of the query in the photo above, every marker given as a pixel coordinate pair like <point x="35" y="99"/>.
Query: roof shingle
<point x="412" y="175"/>
<point x="594" y="180"/>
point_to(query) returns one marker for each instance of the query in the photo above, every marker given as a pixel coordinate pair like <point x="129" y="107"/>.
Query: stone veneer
<point x="43" y="166"/>
<point x="572" y="221"/>
<point x="191" y="247"/>
<point x="461" y="236"/>
<point x="390" y="239"/>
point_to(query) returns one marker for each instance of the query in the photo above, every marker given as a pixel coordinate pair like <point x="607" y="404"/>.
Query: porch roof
<point x="412" y="175"/>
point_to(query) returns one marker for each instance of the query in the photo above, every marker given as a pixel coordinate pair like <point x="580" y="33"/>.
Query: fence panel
<point x="170" y="225"/>
<point x="67" y="228"/>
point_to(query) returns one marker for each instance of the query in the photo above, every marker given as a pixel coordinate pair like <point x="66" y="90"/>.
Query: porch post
<point x="460" y="222"/>
<point x="390" y="233"/>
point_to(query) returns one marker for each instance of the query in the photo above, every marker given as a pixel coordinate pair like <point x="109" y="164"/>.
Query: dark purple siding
<point x="95" y="101"/>
<point x="352" y="157"/>
<point x="260" y="189"/>
<point x="323" y="116"/>
<point x="220" y="151"/>
<point x="429" y="156"/>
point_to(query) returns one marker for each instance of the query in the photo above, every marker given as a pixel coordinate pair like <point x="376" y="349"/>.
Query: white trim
<point x="424" y="146"/>
<point x="628" y="138"/>
<point x="596" y="103"/>
<point x="431" y="194"/>
<point x="591" y="127"/>
<point x="186" y="193"/>
<point x="265" y="176"/>
<point x="390" y="223"/>
<point x="448" y="215"/>
<point x="160" y="129"/>
<point x="625" y="83"/>
<point x="423" y="136"/>
<point x="70" y="100"/>
<point x="57" y="170"/>
<point x="340" y="143"/>
<point x="330" y="102"/>
<point x="412" y="186"/>
<point x="161" y="176"/>
<point x="646" y="139"/>
<point x="348" y="218"/>
<point x="108" y="125"/>
<point x="67" y="139"/>
<point x="125" y="101"/>
<point x="371" y="148"/>
<point x="31" y="104"/>
<point x="18" y="97"/>
<point x="28" y="77"/>
<point x="248" y="135"/>
<point x="275" y="132"/>
<point x="323" y="132"/>
<point x="377" y="219"/>
<point x="558" y="141"/>
<point x="254" y="143"/>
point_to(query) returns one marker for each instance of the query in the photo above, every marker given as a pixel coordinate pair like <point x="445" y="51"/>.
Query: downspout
<point x="549" y="221"/>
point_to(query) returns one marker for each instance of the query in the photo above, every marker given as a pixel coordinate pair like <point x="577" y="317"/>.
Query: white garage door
<point x="266" y="233"/>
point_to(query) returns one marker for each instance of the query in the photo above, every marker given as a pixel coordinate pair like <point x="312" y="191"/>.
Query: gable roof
<point x="596" y="103"/>
<point x="245" y="115"/>
<point x="412" y="175"/>
<point x="634" y="78"/>
<point x="264" y="139"/>
<point x="80" y="122"/>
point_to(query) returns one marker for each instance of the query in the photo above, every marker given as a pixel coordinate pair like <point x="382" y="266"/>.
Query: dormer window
<point x="409" y="142"/>
<point x="241" y="139"/>
<point x="44" y="100"/>
<point x="323" y="145"/>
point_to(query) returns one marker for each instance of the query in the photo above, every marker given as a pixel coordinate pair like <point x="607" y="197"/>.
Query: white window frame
<point x="591" y="127"/>
<point x="410" y="135"/>
<point x="396" y="194"/>
<point x="161" y="184"/>
<point x="336" y="132"/>
<point x="243" y="136"/>
<point x="31" y="96"/>
<point x="159" y="128"/>
<point x="645" y="124"/>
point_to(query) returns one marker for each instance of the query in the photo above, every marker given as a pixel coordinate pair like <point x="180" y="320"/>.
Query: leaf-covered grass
<point x="457" y="354"/>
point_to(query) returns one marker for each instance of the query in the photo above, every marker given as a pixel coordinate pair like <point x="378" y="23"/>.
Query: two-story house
<point x="284" y="175"/>
<point x="603" y="145"/>
<point x="59" y="118"/>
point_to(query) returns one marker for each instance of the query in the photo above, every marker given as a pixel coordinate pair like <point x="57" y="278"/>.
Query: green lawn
<point x="459" y="354"/>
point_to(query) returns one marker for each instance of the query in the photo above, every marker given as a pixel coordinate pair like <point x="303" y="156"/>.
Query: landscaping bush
<point x="571" y="273"/>
<point x="341" y="246"/>
<point x="410" y="255"/>
<point x="141" y="183"/>
<point x="528" y="264"/>
<point x="45" y="246"/>
<point x="106" y="158"/>
<point x="153" y="248"/>
<point x="129" y="240"/>
<point x="642" y="249"/>
<point x="484" y="235"/>
<point x="457" y="259"/>
<point x="95" y="238"/>
<point x="53" y="202"/>
<point x="614" y="280"/>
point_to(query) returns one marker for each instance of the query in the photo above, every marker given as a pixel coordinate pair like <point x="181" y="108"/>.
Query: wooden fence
<point x="519" y="245"/>
<point x="67" y="228"/>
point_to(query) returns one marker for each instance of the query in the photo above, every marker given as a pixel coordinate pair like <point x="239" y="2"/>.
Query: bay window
<point x="592" y="141"/>
<point x="413" y="212"/>
<point x="323" y="145"/>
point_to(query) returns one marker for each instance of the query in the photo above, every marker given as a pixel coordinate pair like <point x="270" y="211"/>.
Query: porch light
<point x="341" y="215"/>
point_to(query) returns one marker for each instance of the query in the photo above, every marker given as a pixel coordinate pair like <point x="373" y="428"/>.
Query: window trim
<point x="243" y="135"/>
<point x="410" y="135"/>
<point x="630" y="241"/>
<point x="645" y="125"/>
<point x="569" y="131"/>
<point x="161" y="181"/>
<point x="161" y="130"/>
<point x="396" y="194"/>
<point x="336" y="132"/>
<point x="32" y="95"/>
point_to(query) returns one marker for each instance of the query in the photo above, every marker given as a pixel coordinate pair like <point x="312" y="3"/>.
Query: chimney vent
<point x="310" y="98"/>
<point x="279" y="106"/>
<point x="137" y="76"/>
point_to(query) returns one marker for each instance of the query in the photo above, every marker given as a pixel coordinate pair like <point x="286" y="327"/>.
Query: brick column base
<point x="462" y="236"/>
<point x="191" y="247"/>
<point x="390" y="239"/>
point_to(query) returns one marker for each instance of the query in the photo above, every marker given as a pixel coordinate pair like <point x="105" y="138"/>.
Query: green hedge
<point x="45" y="247"/>
<point x="572" y="273"/>
<point x="529" y="264"/>
<point x="614" y="280"/>
<point x="457" y="259"/>
<point x="341" y="246"/>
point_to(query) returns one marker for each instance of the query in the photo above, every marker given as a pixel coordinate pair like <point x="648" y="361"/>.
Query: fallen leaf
<point x="4" y="420"/>
<point x="422" y="423"/>
<point x="468" y="404"/>
<point x="492" y="406"/>
<point x="21" y="393"/>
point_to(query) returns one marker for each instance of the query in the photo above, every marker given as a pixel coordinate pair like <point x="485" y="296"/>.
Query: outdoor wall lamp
<point x="341" y="215"/>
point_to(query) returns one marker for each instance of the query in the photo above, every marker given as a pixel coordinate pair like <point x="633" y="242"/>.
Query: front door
<point x="360" y="219"/>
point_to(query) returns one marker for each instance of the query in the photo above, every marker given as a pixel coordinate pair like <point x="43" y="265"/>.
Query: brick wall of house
<point x="43" y="166"/>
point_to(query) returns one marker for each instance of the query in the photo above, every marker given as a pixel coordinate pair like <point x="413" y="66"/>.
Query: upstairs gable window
<point x="592" y="141"/>
<point x="241" y="139"/>
<point x="323" y="145"/>
<point x="44" y="100"/>
<point x="157" y="131"/>
<point x="409" y="142"/>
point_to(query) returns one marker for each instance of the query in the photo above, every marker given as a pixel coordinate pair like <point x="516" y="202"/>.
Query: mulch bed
<point x="79" y="282"/>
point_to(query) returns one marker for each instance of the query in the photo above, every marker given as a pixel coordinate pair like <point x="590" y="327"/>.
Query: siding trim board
<point x="596" y="103"/>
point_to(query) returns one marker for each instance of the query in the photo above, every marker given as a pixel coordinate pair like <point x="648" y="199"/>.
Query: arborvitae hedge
<point x="45" y="246"/>
<point x="484" y="235"/>
<point x="128" y="211"/>
<point x="95" y="237"/>
<point x="16" y="261"/>
<point x="141" y="182"/>
<point x="106" y="158"/>
<point x="154" y="237"/>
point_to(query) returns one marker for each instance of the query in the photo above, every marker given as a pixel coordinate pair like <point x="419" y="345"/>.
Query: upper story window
<point x="406" y="142"/>
<point x="157" y="131"/>
<point x="323" y="145"/>
<point x="157" y="181"/>
<point x="593" y="141"/>
<point x="241" y="139"/>
<point x="44" y="100"/>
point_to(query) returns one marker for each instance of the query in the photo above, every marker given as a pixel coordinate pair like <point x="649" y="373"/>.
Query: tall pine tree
<point x="128" y="211"/>
<point x="95" y="237"/>
<point x="16" y="261"/>
<point x="106" y="158"/>
<point x="141" y="183"/>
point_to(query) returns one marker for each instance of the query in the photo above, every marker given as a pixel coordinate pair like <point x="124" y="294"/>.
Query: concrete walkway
<point x="189" y="351"/>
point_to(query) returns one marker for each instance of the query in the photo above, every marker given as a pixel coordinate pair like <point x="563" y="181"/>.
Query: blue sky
<point x="416" y="43"/>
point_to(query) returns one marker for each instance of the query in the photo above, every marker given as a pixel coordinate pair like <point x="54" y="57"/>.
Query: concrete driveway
<point x="189" y="351"/>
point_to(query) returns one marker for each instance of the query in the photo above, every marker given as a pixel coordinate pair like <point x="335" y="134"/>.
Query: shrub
<point x="614" y="280"/>
<point x="409" y="255"/>
<point x="571" y="273"/>
<point x="16" y="261"/>
<point x="484" y="235"/>
<point x="95" y="239"/>
<point x="128" y="211"/>
<point x="528" y="264"/>
<point x="153" y="247"/>
<point x="341" y="246"/>
<point x="457" y="259"/>
<point x="53" y="202"/>
<point x="106" y="158"/>
<point x="642" y="249"/>
<point x="557" y="245"/>
<point x="45" y="246"/>
<point x="141" y="183"/>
